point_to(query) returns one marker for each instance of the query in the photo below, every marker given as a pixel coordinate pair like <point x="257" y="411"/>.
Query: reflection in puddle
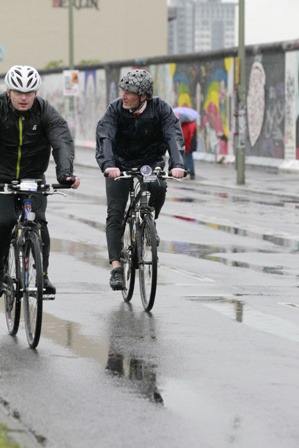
<point x="127" y="352"/>
<point x="286" y="242"/>
<point x="186" y="199"/>
<point x="210" y="252"/>
<point x="131" y="337"/>
<point x="230" y="307"/>
<point x="93" y="255"/>
<point x="82" y="251"/>
<point x="204" y="250"/>
<point x="241" y="312"/>
<point x="277" y="270"/>
<point x="240" y="197"/>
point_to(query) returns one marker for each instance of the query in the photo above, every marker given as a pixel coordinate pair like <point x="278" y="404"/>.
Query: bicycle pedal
<point x="49" y="297"/>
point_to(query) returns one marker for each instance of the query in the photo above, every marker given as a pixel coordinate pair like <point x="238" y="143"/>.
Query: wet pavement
<point x="258" y="178"/>
<point x="276" y="187"/>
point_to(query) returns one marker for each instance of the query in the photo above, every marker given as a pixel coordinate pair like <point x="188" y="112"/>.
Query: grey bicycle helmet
<point x="22" y="78"/>
<point x="138" y="81"/>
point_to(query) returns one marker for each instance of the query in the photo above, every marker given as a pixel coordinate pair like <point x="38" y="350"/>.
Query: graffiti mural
<point x="290" y="106"/>
<point x="163" y="82"/>
<point x="215" y="111"/>
<point x="89" y="105"/>
<point x="206" y="88"/>
<point x="256" y="102"/>
<point x="270" y="142"/>
<point x="297" y="103"/>
<point x="209" y="86"/>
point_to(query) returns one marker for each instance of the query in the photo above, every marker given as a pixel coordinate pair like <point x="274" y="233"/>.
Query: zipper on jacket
<point x="18" y="167"/>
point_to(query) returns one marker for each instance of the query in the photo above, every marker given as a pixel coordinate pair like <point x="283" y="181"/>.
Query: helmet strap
<point x="140" y="104"/>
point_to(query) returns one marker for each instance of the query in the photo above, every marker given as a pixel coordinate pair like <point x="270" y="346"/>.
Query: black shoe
<point x="49" y="288"/>
<point x="117" y="279"/>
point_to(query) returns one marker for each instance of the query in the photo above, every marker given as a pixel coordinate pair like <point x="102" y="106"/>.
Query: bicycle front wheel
<point x="12" y="299"/>
<point x="33" y="289"/>
<point x="127" y="260"/>
<point x="148" y="267"/>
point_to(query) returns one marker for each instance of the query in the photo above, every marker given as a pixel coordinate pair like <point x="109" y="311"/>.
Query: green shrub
<point x="4" y="439"/>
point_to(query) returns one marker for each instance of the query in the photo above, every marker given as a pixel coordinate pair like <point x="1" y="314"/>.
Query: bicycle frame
<point x="139" y="237"/>
<point x="139" y="244"/>
<point x="139" y="208"/>
<point x="23" y="227"/>
<point x="23" y="263"/>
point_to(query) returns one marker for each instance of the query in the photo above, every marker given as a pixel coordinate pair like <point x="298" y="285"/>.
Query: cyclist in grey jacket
<point x="137" y="129"/>
<point x="29" y="128"/>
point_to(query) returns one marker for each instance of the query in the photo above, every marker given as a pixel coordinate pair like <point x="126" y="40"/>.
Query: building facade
<point x="36" y="32"/>
<point x="181" y="29"/>
<point x="201" y="25"/>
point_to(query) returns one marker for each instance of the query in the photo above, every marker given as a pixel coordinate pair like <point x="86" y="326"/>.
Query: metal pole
<point x="241" y="97"/>
<point x="71" y="35"/>
<point x="70" y="102"/>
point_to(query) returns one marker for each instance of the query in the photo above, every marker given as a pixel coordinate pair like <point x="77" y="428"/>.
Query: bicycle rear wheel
<point x="148" y="267"/>
<point x="12" y="299"/>
<point x="127" y="260"/>
<point x="33" y="289"/>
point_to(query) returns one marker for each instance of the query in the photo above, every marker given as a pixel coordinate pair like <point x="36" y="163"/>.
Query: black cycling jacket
<point x="127" y="141"/>
<point x="26" y="140"/>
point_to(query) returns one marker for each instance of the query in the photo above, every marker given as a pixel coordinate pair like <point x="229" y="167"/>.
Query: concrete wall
<point x="206" y="82"/>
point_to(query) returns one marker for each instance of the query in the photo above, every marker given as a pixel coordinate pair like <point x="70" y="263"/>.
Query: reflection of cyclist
<point x="137" y="129"/>
<point x="140" y="373"/>
<point x="123" y="361"/>
<point x="29" y="128"/>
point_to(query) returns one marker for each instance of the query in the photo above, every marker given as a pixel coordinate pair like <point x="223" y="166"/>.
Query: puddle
<point x="97" y="255"/>
<point x="287" y="242"/>
<point x="243" y="313"/>
<point x="125" y="352"/>
<point x="204" y="250"/>
<point x="186" y="199"/>
<point x="233" y="197"/>
<point x="211" y="253"/>
<point x="277" y="270"/>
<point x="82" y="251"/>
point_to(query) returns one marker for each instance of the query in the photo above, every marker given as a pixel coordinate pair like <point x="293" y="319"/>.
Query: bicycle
<point x="139" y="236"/>
<point x="23" y="267"/>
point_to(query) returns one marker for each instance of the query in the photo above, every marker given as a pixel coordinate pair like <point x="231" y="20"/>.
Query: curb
<point x="16" y="432"/>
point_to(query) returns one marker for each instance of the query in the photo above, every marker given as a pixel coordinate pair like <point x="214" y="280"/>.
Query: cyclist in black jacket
<point x="29" y="128"/>
<point x="137" y="129"/>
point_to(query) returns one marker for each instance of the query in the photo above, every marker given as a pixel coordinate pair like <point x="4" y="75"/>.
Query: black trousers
<point x="117" y="192"/>
<point x="9" y="216"/>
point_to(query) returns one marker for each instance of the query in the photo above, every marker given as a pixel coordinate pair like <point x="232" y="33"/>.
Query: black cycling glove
<point x="62" y="180"/>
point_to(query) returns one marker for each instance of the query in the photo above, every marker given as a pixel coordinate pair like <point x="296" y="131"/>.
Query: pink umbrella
<point x="186" y="114"/>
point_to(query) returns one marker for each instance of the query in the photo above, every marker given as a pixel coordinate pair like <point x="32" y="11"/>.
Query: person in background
<point x="189" y="130"/>
<point x="137" y="129"/>
<point x="29" y="128"/>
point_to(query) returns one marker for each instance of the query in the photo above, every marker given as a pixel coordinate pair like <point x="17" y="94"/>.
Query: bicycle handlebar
<point x="157" y="172"/>
<point x="46" y="189"/>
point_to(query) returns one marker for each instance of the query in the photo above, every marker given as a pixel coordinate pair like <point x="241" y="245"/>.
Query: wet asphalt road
<point x="215" y="363"/>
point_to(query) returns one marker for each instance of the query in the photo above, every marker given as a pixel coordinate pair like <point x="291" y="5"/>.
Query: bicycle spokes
<point x="127" y="260"/>
<point x="12" y="300"/>
<point x="148" y="264"/>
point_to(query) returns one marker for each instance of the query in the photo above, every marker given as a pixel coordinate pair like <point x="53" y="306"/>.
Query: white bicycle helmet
<point x="22" y="78"/>
<point x="138" y="81"/>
